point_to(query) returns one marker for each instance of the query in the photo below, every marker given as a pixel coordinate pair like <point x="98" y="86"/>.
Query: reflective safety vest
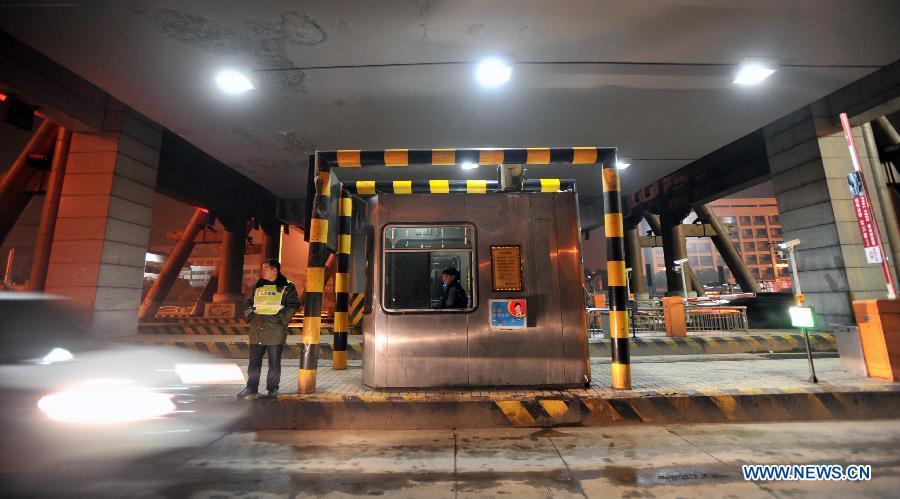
<point x="267" y="299"/>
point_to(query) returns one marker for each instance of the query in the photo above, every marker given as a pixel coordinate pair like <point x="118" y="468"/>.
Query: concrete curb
<point x="375" y="413"/>
<point x="233" y="348"/>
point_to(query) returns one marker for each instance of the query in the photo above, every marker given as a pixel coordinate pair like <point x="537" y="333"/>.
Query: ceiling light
<point x="469" y="166"/>
<point x="233" y="82"/>
<point x="752" y="71"/>
<point x="622" y="163"/>
<point x="493" y="72"/>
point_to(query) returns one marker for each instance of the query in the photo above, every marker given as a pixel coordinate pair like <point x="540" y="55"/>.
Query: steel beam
<point x="14" y="194"/>
<point x="41" y="260"/>
<point x="172" y="268"/>
<point x="727" y="250"/>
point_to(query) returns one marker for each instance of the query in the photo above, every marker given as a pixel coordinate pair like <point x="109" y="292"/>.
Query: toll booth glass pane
<point x="414" y="261"/>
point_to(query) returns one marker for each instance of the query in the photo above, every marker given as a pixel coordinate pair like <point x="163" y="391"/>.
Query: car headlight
<point x="105" y="401"/>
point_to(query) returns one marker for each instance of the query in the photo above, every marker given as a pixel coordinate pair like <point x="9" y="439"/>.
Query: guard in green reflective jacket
<point x="269" y="311"/>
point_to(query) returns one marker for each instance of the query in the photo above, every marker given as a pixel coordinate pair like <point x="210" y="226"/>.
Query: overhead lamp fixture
<point x="233" y="82"/>
<point x="492" y="72"/>
<point x="469" y="166"/>
<point x="753" y="70"/>
<point x="623" y="163"/>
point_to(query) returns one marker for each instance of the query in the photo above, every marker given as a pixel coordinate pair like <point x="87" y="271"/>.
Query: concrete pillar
<point x="809" y="162"/>
<point x="674" y="248"/>
<point x="174" y="263"/>
<point x="727" y="251"/>
<point x="231" y="264"/>
<point x="103" y="225"/>
<point x="635" y="259"/>
<point x="41" y="259"/>
<point x="271" y="242"/>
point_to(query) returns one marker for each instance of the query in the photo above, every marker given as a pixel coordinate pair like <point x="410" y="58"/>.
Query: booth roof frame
<point x="323" y="161"/>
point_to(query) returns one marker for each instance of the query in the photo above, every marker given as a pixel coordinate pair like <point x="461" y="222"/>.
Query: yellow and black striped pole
<point x="315" y="279"/>
<point x="342" y="282"/>
<point x="615" y="268"/>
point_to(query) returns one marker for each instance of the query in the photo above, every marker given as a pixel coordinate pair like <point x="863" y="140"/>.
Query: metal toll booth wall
<point x="428" y="348"/>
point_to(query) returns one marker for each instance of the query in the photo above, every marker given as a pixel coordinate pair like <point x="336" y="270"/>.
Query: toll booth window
<point x="415" y="258"/>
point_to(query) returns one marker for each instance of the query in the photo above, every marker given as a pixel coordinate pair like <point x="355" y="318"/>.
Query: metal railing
<point x="652" y="319"/>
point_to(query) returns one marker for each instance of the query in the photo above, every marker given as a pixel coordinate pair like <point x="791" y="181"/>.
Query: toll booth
<point x="515" y="244"/>
<point x="519" y="257"/>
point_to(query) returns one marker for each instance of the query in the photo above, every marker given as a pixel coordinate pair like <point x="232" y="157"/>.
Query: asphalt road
<point x="623" y="461"/>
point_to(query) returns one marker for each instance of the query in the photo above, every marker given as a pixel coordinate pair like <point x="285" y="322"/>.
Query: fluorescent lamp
<point x="622" y="163"/>
<point x="469" y="166"/>
<point x="492" y="72"/>
<point x="752" y="71"/>
<point x="233" y="82"/>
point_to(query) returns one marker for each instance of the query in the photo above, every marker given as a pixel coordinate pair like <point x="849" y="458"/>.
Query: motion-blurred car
<point x="68" y="396"/>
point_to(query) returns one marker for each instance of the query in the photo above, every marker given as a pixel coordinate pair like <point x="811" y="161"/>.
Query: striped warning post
<point x="342" y="283"/>
<point x="355" y="158"/>
<point x="615" y="268"/>
<point x="365" y="188"/>
<point x="315" y="279"/>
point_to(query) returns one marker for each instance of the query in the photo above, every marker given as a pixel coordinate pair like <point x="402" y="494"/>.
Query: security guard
<point x="270" y="309"/>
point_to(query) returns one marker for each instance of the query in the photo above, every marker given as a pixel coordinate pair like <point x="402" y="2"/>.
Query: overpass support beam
<point x="674" y="248"/>
<point x="271" y="242"/>
<point x="16" y="183"/>
<point x="727" y="250"/>
<point x="41" y="260"/>
<point x="231" y="265"/>
<point x="635" y="259"/>
<point x="172" y="268"/>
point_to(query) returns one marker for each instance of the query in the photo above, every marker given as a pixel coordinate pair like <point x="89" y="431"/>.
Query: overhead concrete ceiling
<point x="655" y="82"/>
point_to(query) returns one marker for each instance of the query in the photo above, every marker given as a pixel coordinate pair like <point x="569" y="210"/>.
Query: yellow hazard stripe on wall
<point x="396" y="157"/>
<point x="443" y="157"/>
<point x="365" y="187"/>
<point x="318" y="230"/>
<point x="476" y="186"/>
<point x="515" y="412"/>
<point x="439" y="186"/>
<point x="402" y="186"/>
<point x="549" y="185"/>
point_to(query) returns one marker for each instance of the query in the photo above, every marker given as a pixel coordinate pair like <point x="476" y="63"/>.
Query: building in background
<point x="755" y="230"/>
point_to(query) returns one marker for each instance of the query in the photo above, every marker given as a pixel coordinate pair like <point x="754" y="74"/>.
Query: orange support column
<point x="675" y="314"/>
<point x="879" y="334"/>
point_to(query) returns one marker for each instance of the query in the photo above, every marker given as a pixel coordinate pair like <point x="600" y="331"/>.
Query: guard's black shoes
<point x="273" y="394"/>
<point x="245" y="394"/>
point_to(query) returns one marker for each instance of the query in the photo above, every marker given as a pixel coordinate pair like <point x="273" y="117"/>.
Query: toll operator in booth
<point x="453" y="295"/>
<point x="271" y="306"/>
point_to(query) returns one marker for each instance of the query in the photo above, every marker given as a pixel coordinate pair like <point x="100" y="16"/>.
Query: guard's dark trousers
<point x="255" y="366"/>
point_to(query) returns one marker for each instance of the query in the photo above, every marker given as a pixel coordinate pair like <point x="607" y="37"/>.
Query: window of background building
<point x="693" y="261"/>
<point x="755" y="272"/>
<point x="759" y="220"/>
<point x="747" y="233"/>
<point x="774" y="219"/>
<point x="706" y="261"/>
<point x="751" y="259"/>
<point x="765" y="258"/>
<point x="745" y="220"/>
<point x="749" y="246"/>
<point x="776" y="232"/>
<point x="767" y="273"/>
<point x="762" y="246"/>
<point x="728" y="220"/>
<point x="414" y="260"/>
<point x="762" y="233"/>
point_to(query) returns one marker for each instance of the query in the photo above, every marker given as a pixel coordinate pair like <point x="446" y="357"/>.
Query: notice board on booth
<point x="506" y="268"/>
